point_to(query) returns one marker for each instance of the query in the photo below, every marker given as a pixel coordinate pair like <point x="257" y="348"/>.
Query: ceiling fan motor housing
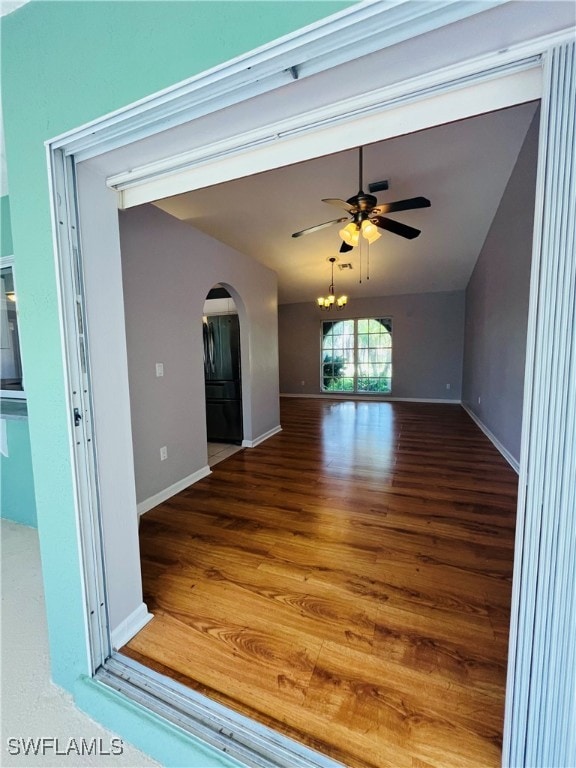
<point x="363" y="208"/>
<point x="363" y="202"/>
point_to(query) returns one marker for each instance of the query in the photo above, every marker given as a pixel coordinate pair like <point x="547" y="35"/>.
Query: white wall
<point x="168" y="269"/>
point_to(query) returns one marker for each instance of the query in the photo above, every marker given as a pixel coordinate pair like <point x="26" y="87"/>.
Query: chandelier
<point x="326" y="302"/>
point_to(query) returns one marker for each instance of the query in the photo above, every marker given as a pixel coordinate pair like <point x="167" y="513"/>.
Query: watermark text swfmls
<point x="72" y="747"/>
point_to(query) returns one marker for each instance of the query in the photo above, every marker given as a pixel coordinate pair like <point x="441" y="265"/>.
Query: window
<point x="357" y="355"/>
<point x="10" y="365"/>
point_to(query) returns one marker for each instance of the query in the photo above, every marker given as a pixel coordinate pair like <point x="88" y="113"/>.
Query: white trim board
<point x="261" y="438"/>
<point x="131" y="625"/>
<point x="172" y="490"/>
<point x="282" y="143"/>
<point x="493" y="439"/>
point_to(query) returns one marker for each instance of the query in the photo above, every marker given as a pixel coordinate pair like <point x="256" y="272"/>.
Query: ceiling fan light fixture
<point x="350" y="233"/>
<point x="370" y="231"/>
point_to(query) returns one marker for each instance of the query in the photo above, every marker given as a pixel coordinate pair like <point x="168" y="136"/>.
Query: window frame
<point x="8" y="262"/>
<point x="355" y="391"/>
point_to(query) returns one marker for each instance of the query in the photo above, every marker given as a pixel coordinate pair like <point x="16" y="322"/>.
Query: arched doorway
<point x="222" y="374"/>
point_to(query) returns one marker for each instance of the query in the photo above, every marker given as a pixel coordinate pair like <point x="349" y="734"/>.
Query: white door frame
<point x="543" y="605"/>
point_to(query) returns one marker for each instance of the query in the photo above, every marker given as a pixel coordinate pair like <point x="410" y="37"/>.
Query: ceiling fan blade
<point x="319" y="226"/>
<point x="345" y="247"/>
<point x="395" y="227"/>
<point x="340" y="204"/>
<point x="402" y="205"/>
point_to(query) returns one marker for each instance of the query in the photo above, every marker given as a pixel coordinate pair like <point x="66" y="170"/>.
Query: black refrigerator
<point x="222" y="379"/>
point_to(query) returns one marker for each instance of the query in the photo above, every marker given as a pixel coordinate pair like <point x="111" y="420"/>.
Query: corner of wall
<point x="497" y="305"/>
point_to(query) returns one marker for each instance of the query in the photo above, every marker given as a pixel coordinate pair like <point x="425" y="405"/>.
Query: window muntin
<point x="10" y="363"/>
<point x="356" y="356"/>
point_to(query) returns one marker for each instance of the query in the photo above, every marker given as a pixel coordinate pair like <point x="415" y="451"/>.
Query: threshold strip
<point x="243" y="739"/>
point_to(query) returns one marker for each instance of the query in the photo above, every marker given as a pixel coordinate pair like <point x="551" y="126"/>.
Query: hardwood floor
<point x="347" y="582"/>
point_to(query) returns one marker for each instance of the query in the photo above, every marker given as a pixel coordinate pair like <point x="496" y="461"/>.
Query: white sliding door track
<point x="254" y="745"/>
<point x="357" y="31"/>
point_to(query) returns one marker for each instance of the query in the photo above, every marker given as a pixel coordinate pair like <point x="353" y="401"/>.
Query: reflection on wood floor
<point x="347" y="582"/>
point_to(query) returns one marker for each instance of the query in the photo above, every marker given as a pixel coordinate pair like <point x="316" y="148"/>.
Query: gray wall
<point x="111" y="397"/>
<point x="428" y="337"/>
<point x="168" y="268"/>
<point x="497" y="307"/>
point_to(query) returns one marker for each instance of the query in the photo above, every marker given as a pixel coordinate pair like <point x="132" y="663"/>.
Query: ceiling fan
<point x="366" y="216"/>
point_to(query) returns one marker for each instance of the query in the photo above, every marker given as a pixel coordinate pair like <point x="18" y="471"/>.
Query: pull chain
<point x="368" y="261"/>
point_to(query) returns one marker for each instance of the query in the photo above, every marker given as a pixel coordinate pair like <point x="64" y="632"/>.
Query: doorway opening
<point x="174" y="629"/>
<point x="222" y="375"/>
<point x="288" y="494"/>
<point x="108" y="197"/>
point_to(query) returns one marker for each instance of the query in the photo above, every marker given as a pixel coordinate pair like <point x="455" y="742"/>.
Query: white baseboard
<point x="261" y="438"/>
<point x="131" y="625"/>
<point x="493" y="439"/>
<point x="373" y="398"/>
<point x="167" y="493"/>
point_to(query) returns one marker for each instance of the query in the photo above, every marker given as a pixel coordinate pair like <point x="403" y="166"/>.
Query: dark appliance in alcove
<point x="222" y="379"/>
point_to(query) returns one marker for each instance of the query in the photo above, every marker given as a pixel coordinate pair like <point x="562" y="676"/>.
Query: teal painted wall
<point x="16" y="478"/>
<point x="6" y="248"/>
<point x="64" y="64"/>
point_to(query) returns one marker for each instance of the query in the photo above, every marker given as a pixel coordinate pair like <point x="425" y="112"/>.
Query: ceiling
<point x="461" y="167"/>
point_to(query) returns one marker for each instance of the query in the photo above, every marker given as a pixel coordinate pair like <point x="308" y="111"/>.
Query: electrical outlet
<point x="159" y="369"/>
<point x="479" y="400"/>
<point x="448" y="386"/>
<point x="163" y="453"/>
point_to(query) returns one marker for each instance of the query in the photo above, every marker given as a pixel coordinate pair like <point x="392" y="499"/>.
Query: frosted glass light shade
<point x="350" y="233"/>
<point x="370" y="231"/>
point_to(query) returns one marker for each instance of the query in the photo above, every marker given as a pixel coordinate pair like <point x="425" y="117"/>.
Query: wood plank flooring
<point x="347" y="582"/>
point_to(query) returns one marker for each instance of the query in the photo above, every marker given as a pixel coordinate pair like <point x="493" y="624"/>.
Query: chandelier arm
<point x="325" y="303"/>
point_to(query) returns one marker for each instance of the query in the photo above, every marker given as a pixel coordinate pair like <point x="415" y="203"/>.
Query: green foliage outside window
<point x="357" y="355"/>
<point x="332" y="371"/>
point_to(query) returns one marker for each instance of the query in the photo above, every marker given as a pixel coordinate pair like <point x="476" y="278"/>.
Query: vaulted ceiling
<point x="462" y="168"/>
